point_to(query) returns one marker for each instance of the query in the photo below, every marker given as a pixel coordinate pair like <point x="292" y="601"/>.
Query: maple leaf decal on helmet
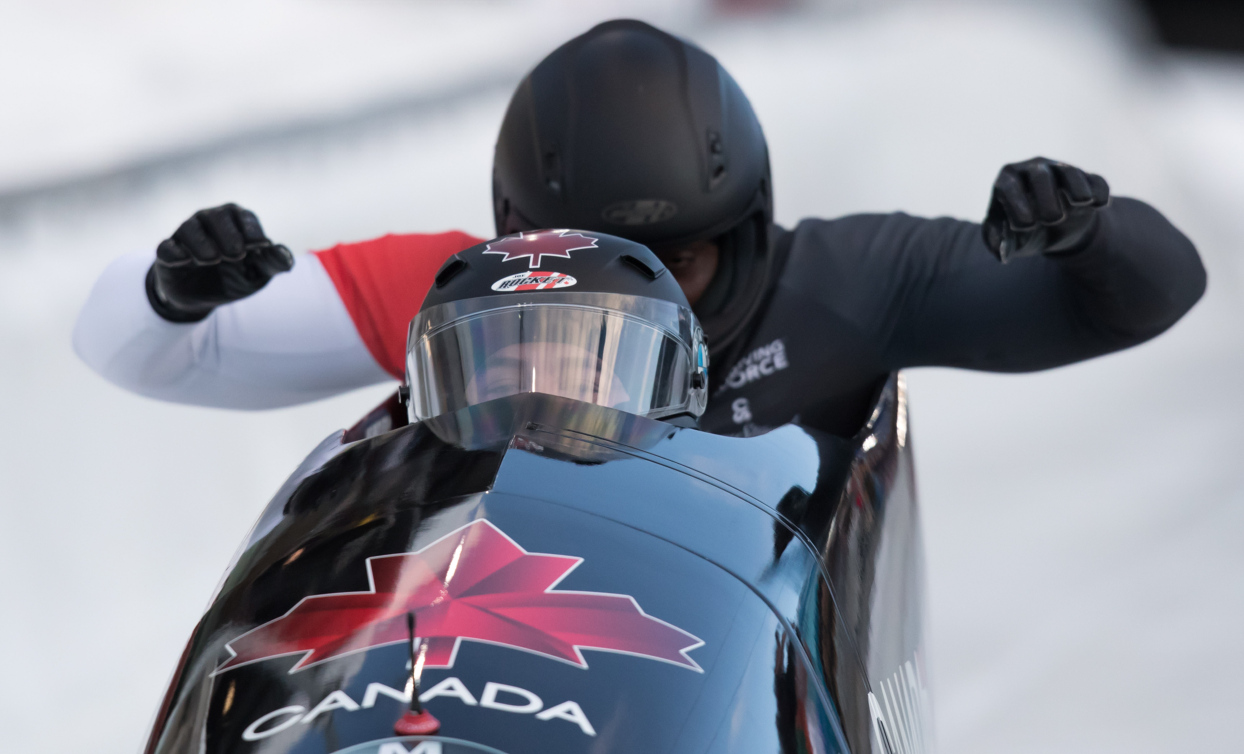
<point x="539" y="244"/>
<point x="474" y="583"/>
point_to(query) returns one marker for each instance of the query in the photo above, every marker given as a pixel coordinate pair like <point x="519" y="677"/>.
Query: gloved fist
<point x="217" y="256"/>
<point x="1041" y="206"/>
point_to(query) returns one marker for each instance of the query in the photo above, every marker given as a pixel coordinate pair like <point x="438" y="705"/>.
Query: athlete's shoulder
<point x="393" y="264"/>
<point x="824" y="246"/>
<point x="402" y="247"/>
<point x="859" y="228"/>
<point x="869" y="234"/>
<point x="382" y="283"/>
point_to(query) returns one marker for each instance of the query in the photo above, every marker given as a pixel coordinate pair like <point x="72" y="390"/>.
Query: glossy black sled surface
<point x="583" y="580"/>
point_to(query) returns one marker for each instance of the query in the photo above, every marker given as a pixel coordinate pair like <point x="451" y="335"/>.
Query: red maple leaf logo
<point x="541" y="243"/>
<point x="474" y="583"/>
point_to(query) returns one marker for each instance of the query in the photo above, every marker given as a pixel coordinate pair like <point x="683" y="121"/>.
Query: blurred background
<point x="1084" y="526"/>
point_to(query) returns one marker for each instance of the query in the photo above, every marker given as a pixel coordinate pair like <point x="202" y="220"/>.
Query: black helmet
<point x="631" y="131"/>
<point x="582" y="315"/>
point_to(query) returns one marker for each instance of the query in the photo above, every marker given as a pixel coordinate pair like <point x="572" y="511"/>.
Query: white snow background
<point x="1085" y="526"/>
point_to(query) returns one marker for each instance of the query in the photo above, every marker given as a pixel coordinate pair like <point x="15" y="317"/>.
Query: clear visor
<point x="594" y="354"/>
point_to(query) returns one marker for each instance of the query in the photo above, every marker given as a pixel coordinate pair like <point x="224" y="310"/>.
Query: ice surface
<point x="1085" y="526"/>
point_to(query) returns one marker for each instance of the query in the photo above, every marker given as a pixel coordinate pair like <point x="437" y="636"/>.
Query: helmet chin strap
<point x="714" y="298"/>
<point x="738" y="288"/>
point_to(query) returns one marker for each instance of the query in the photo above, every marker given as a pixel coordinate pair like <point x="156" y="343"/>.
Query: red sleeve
<point x="383" y="282"/>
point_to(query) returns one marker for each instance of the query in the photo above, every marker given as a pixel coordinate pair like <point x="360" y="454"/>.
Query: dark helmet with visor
<point x="577" y="314"/>
<point x="634" y="132"/>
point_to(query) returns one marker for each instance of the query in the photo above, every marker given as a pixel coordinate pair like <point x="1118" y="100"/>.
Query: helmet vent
<point x="448" y="270"/>
<point x="716" y="159"/>
<point x="552" y="164"/>
<point x="646" y="269"/>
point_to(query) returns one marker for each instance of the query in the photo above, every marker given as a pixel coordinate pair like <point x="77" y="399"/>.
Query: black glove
<point x="217" y="256"/>
<point x="1042" y="207"/>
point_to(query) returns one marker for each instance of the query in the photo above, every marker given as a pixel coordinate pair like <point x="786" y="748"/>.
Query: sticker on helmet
<point x="536" y="245"/>
<point x="533" y="280"/>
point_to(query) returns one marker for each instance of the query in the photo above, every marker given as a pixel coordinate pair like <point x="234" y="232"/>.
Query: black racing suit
<point x="856" y="298"/>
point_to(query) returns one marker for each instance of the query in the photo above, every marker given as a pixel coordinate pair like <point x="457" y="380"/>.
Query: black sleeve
<point x="929" y="293"/>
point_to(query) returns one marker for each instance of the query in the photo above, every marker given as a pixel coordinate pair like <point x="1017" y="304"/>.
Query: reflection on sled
<point x="792" y="559"/>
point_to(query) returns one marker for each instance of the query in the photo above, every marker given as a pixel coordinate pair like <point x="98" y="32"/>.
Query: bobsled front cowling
<point x="583" y="580"/>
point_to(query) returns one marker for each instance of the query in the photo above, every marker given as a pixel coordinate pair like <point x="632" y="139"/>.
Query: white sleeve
<point x="291" y="342"/>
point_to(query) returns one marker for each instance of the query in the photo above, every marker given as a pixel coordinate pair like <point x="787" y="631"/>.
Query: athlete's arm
<point x="217" y="318"/>
<point x="930" y="292"/>
<point x="291" y="342"/>
<point x="1136" y="278"/>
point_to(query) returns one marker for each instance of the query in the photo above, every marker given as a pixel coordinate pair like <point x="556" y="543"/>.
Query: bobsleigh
<point x="543" y="575"/>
